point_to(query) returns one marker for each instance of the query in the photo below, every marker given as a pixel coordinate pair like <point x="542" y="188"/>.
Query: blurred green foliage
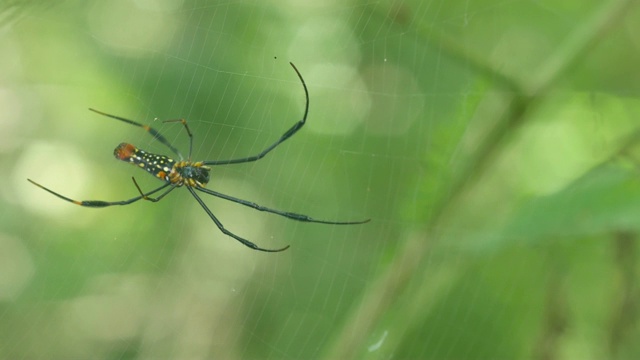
<point x="493" y="144"/>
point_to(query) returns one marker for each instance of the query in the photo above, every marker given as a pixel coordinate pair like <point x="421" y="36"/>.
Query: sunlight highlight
<point x="339" y="101"/>
<point x="131" y="28"/>
<point x="394" y="91"/>
<point x="60" y="167"/>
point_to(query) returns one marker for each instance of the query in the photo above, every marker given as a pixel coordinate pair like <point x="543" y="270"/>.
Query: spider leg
<point x="227" y="232"/>
<point x="146" y="196"/>
<point x="184" y="123"/>
<point x="289" y="133"/>
<point x="100" y="203"/>
<point x="155" y="133"/>
<point x="289" y="215"/>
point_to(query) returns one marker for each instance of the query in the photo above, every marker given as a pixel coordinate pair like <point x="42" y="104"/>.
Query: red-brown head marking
<point x="124" y="151"/>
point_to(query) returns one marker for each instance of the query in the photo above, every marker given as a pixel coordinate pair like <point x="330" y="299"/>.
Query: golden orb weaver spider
<point x="194" y="175"/>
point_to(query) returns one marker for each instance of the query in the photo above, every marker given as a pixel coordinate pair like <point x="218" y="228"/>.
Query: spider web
<point x="422" y="118"/>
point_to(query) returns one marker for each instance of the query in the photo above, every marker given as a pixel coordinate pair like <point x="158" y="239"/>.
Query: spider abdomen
<point x="159" y="166"/>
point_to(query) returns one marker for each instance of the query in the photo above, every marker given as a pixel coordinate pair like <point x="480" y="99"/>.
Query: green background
<point x="493" y="144"/>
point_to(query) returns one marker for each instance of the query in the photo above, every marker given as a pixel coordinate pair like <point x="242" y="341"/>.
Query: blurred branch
<point x="12" y="11"/>
<point x="567" y="56"/>
<point x="581" y="41"/>
<point x="398" y="15"/>
<point x="624" y="317"/>
<point x="457" y="52"/>
<point x="556" y="320"/>
<point x="383" y="294"/>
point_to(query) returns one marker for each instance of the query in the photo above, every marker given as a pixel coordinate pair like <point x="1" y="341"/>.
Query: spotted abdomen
<point x="157" y="165"/>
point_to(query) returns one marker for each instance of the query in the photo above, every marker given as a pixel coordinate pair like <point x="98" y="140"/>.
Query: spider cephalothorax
<point x="194" y="175"/>
<point x="190" y="174"/>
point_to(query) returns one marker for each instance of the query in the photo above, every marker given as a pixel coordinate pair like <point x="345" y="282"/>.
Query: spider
<point x="194" y="175"/>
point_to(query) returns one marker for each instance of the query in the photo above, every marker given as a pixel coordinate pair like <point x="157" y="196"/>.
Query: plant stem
<point x="383" y="293"/>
